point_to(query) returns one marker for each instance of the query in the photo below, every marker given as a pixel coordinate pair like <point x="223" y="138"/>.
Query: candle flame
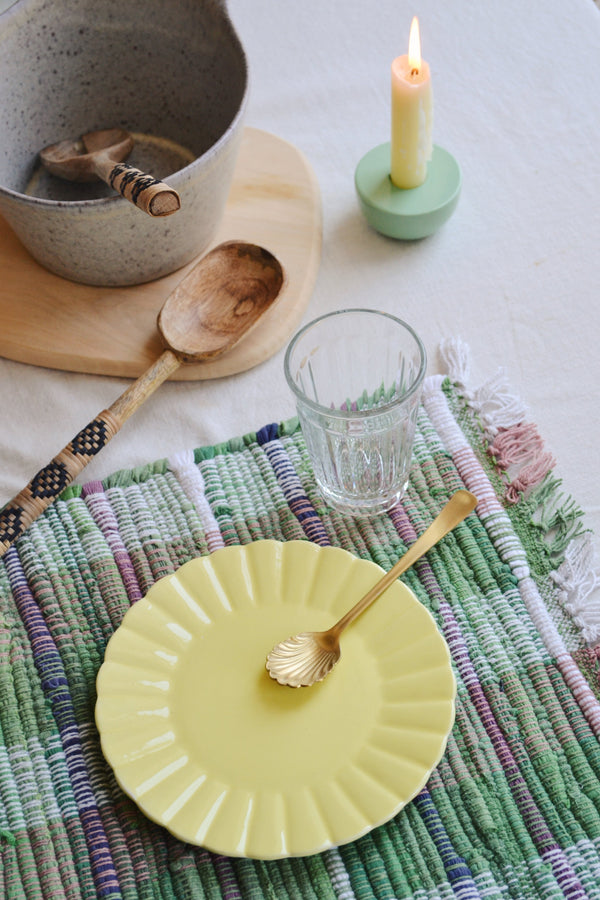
<point x="414" y="47"/>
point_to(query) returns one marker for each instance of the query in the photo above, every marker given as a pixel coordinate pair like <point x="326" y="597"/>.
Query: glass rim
<point x="351" y="413"/>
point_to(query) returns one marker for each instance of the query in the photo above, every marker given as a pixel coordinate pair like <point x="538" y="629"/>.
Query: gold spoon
<point x="217" y="303"/>
<point x="99" y="155"/>
<point x="309" y="657"/>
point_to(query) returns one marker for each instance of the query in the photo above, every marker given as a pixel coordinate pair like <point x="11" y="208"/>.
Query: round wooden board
<point x="49" y="321"/>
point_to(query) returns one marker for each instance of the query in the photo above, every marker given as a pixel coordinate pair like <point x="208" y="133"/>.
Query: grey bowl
<point x="174" y="73"/>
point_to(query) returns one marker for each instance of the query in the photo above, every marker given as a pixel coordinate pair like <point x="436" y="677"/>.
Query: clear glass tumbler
<point x="357" y="376"/>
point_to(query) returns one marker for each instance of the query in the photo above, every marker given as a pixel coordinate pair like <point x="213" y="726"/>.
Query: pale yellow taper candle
<point x="412" y="115"/>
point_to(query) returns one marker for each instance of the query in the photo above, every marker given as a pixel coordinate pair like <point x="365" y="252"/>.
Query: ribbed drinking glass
<point x="357" y="376"/>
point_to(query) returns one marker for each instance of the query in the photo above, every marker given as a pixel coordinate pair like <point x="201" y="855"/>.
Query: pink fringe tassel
<point x="529" y="476"/>
<point x="515" y="444"/>
<point x="521" y="444"/>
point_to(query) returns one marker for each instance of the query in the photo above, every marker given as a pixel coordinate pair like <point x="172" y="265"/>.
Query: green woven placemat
<point x="513" y="809"/>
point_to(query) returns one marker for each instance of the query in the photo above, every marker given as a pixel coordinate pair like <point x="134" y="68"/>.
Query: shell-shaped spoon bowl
<point x="302" y="659"/>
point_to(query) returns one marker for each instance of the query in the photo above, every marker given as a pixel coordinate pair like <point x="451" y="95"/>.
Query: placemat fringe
<point x="578" y="581"/>
<point x="524" y="466"/>
<point x="493" y="401"/>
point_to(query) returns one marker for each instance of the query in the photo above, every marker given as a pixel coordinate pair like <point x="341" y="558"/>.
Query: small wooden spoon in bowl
<point x="99" y="155"/>
<point x="308" y="657"/>
<point x="217" y="303"/>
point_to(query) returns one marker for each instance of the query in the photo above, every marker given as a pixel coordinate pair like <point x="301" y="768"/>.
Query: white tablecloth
<point x="514" y="273"/>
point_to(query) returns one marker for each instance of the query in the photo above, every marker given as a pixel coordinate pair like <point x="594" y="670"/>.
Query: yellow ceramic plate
<point x="210" y="747"/>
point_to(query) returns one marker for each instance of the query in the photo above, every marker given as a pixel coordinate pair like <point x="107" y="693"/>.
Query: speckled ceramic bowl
<point x="172" y="72"/>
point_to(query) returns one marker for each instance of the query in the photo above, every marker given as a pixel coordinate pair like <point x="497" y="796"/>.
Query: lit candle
<point x="412" y="115"/>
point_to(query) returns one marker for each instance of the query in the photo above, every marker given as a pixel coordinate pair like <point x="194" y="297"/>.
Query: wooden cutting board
<point x="48" y="321"/>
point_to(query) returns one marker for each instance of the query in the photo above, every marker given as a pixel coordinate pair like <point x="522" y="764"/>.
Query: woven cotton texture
<point x="513" y="809"/>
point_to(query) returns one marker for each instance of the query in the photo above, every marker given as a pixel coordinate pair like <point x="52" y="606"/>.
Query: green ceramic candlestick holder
<point x="410" y="214"/>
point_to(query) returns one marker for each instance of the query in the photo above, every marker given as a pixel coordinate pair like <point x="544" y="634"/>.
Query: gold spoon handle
<point x="458" y="507"/>
<point x="50" y="482"/>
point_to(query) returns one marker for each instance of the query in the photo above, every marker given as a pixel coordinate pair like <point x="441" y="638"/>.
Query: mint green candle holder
<point x="410" y="214"/>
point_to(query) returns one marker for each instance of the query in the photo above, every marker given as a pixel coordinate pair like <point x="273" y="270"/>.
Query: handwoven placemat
<point x="513" y="809"/>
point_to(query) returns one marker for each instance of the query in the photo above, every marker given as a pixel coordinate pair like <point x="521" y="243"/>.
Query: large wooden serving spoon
<point x="99" y="155"/>
<point x="218" y="302"/>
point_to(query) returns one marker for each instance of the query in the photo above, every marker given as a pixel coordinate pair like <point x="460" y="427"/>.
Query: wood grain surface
<point x="48" y="321"/>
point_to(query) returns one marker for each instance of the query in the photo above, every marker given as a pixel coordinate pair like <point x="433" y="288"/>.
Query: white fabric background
<point x="514" y="273"/>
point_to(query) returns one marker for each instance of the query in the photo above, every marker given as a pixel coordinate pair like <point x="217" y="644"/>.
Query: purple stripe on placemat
<point x="291" y="486"/>
<point x="539" y="831"/>
<point x="103" y="514"/>
<point x="56" y="688"/>
<point x="459" y="874"/>
<point x="227" y="880"/>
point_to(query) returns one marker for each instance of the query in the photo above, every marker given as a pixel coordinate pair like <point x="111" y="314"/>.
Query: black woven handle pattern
<point x="50" y="481"/>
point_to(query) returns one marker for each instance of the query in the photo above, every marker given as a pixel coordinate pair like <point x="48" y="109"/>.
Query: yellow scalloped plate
<point x="210" y="747"/>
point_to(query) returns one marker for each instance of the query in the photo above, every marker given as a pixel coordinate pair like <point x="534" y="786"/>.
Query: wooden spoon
<point x="218" y="302"/>
<point x="99" y="155"/>
<point x="309" y="657"/>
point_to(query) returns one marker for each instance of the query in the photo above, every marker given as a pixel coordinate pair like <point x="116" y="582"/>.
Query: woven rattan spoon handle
<point x="210" y="310"/>
<point x="153" y="197"/>
<point x="50" y="482"/>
